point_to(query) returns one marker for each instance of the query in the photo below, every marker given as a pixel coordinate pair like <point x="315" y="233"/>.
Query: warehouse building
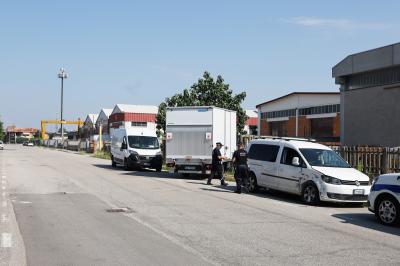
<point x="102" y="121"/>
<point x="89" y="125"/>
<point x="126" y="116"/>
<point x="302" y="114"/>
<point x="370" y="96"/>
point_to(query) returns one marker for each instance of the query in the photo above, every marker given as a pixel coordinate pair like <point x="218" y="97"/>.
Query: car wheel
<point x="310" y="194"/>
<point x="252" y="185"/>
<point x="387" y="210"/>
<point x="159" y="168"/>
<point x="113" y="163"/>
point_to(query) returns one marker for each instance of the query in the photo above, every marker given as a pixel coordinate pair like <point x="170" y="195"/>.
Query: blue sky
<point x="140" y="52"/>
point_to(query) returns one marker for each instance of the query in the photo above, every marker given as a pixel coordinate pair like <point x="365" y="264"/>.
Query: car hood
<point x="349" y="174"/>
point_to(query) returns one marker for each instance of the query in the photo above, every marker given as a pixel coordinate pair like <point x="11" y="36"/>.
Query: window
<point x="263" y="152"/>
<point x="324" y="158"/>
<point x="143" y="142"/>
<point x="287" y="156"/>
<point x="139" y="124"/>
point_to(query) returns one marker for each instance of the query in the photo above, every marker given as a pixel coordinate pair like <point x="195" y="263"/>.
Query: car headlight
<point x="159" y="153"/>
<point x="133" y="152"/>
<point x="331" y="180"/>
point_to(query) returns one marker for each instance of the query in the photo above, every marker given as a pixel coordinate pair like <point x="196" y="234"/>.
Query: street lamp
<point x="62" y="75"/>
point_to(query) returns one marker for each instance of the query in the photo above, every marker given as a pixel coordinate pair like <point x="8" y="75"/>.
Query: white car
<point x="384" y="199"/>
<point x="305" y="168"/>
<point x="1" y="145"/>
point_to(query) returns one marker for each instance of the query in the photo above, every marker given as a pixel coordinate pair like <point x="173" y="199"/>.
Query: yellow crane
<point x="43" y="124"/>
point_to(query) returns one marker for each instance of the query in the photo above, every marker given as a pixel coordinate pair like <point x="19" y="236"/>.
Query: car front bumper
<point x="344" y="193"/>
<point x="145" y="161"/>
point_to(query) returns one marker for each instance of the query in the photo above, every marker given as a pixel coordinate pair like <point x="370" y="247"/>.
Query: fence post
<point x="385" y="161"/>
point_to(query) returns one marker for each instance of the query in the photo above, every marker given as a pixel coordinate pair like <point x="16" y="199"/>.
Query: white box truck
<point x="191" y="134"/>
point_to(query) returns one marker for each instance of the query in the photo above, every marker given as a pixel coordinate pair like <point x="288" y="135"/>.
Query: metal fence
<point x="77" y="145"/>
<point x="372" y="161"/>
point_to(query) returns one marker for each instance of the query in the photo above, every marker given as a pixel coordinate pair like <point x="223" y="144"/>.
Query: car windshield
<point x="143" y="142"/>
<point x="324" y="158"/>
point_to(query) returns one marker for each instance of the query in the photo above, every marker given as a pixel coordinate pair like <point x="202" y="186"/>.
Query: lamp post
<point x="62" y="75"/>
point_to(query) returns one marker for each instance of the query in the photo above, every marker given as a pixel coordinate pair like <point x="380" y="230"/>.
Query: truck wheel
<point x="387" y="210"/>
<point x="252" y="186"/>
<point x="126" y="166"/>
<point x="310" y="194"/>
<point x="113" y="163"/>
<point x="159" y="168"/>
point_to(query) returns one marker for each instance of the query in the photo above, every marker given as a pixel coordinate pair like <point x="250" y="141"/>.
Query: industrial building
<point x="89" y="125"/>
<point x="102" y="122"/>
<point x="370" y="96"/>
<point x="14" y="133"/>
<point x="126" y="116"/>
<point x="301" y="114"/>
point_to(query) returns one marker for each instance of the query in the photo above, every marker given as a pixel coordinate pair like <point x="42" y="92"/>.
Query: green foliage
<point x="206" y="92"/>
<point x="2" y="133"/>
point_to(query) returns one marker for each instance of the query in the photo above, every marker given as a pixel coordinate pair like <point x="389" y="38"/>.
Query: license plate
<point x="190" y="168"/>
<point x="358" y="191"/>
<point x="146" y="164"/>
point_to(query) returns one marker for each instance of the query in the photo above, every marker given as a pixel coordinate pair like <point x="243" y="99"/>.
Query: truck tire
<point x="252" y="187"/>
<point x="113" y="163"/>
<point x="126" y="166"/>
<point x="159" y="168"/>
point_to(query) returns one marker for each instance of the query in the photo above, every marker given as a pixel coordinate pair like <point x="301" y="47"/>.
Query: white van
<point x="305" y="168"/>
<point x="136" y="148"/>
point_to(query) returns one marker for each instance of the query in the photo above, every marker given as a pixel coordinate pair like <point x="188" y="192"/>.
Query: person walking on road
<point x="239" y="160"/>
<point x="217" y="167"/>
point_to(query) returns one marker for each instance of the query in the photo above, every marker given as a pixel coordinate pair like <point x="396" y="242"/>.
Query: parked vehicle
<point x="25" y="143"/>
<point x="384" y="199"/>
<point x="1" y="145"/>
<point x="305" y="168"/>
<point x="30" y="144"/>
<point x="191" y="133"/>
<point x="136" y="148"/>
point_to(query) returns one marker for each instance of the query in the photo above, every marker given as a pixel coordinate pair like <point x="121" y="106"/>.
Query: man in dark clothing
<point x="217" y="167"/>
<point x="239" y="160"/>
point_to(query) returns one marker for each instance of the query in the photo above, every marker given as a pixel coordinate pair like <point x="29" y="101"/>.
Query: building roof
<point x="91" y="118"/>
<point x="13" y="129"/>
<point x="251" y="113"/>
<point x="129" y="108"/>
<point x="298" y="93"/>
<point x="103" y="115"/>
<point x="378" y="58"/>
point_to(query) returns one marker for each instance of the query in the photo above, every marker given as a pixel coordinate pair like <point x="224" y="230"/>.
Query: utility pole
<point x="62" y="75"/>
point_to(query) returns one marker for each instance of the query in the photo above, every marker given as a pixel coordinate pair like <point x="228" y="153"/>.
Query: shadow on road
<point x="366" y="220"/>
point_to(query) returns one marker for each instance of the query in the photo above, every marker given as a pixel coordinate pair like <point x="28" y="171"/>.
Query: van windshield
<point x="324" y="158"/>
<point x="143" y="142"/>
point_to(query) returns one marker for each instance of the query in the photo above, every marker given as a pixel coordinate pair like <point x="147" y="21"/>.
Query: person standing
<point x="239" y="160"/>
<point x="217" y="167"/>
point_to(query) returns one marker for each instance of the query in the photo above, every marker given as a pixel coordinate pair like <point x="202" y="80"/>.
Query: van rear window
<point x="263" y="152"/>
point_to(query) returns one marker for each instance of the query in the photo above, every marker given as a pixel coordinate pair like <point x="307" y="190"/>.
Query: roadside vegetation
<point x="102" y="155"/>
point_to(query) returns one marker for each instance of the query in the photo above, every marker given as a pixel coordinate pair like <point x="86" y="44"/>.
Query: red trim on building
<point x="136" y="117"/>
<point x="252" y="121"/>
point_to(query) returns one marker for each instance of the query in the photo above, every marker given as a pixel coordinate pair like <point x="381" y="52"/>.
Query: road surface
<point x="63" y="208"/>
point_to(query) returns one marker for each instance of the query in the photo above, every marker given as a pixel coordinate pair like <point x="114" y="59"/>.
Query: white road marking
<point x="4" y="204"/>
<point x="6" y="240"/>
<point x="3" y="182"/>
<point x="4" y="218"/>
<point x="3" y="187"/>
<point x="3" y="194"/>
<point x="4" y="177"/>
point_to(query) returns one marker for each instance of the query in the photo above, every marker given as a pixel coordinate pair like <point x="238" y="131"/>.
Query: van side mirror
<point x="123" y="146"/>
<point x="296" y="161"/>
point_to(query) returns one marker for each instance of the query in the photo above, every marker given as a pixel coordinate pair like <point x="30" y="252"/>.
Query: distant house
<point x="370" y="96"/>
<point x="13" y="133"/>
<point x="102" y="120"/>
<point x="301" y="114"/>
<point x="126" y="116"/>
<point x="89" y="125"/>
<point x="251" y="123"/>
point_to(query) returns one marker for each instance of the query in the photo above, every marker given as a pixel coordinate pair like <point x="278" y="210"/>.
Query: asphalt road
<point x="59" y="208"/>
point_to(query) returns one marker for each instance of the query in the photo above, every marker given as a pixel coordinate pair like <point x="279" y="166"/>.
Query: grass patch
<point x="102" y="155"/>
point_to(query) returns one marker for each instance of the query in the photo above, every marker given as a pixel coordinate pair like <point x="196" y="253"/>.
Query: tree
<point x="206" y="92"/>
<point x="2" y="133"/>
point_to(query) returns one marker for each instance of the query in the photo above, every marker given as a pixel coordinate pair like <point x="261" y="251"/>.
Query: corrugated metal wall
<point x="189" y="140"/>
